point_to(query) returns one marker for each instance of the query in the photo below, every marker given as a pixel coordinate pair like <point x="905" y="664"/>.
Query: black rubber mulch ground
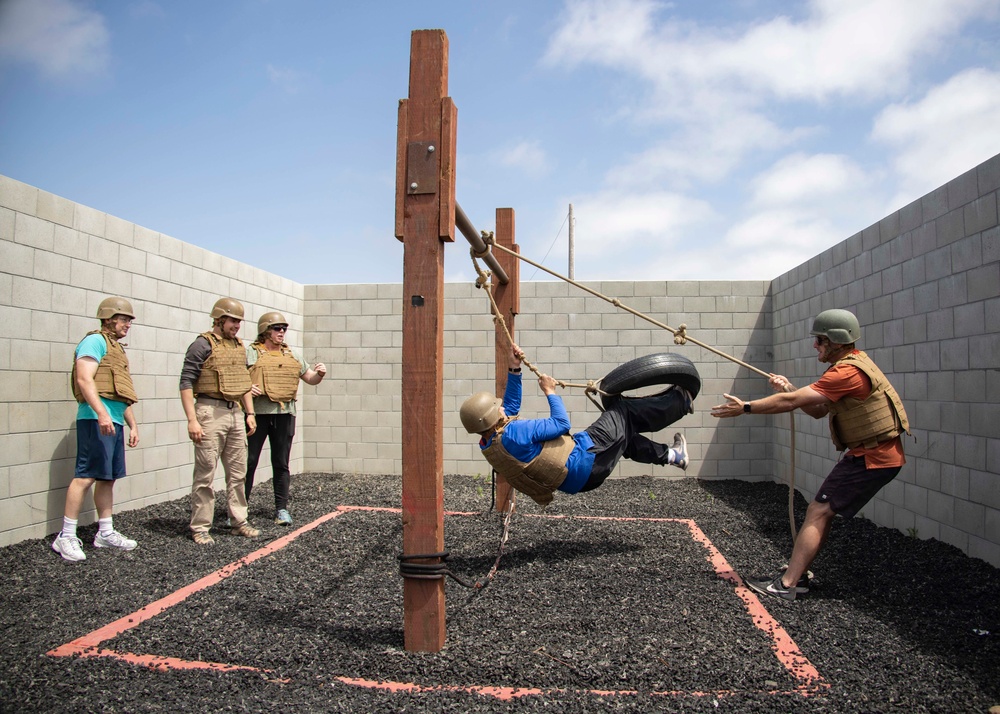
<point x="893" y="624"/>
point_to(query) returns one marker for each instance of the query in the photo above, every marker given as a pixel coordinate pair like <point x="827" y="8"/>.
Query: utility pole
<point x="572" y="246"/>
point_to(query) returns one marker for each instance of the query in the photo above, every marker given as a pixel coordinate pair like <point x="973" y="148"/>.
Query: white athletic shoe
<point x="680" y="449"/>
<point x="115" y="540"/>
<point x="69" y="547"/>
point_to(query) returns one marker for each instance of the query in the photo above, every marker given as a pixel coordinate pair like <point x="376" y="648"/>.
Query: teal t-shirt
<point x="95" y="347"/>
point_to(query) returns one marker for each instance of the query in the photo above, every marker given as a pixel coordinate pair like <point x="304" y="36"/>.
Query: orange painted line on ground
<point x="90" y="641"/>
<point x="167" y="664"/>
<point x="784" y="647"/>
<point x="503" y="693"/>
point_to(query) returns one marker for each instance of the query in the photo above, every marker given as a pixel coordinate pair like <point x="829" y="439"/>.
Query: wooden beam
<point x="425" y="178"/>
<point x="508" y="300"/>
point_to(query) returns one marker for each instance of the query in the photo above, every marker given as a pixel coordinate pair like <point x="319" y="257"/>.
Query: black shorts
<point x="850" y="485"/>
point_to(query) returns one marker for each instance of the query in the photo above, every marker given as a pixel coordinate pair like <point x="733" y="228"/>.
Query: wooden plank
<point x="401" y="143"/>
<point x="449" y="134"/>
<point x="508" y="300"/>
<point x="423" y="351"/>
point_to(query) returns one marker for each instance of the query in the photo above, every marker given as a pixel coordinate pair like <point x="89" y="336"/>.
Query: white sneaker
<point x="69" y="548"/>
<point x="115" y="540"/>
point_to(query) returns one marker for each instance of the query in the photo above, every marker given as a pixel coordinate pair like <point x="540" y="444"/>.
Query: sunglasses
<point x="279" y="328"/>
<point x="820" y="340"/>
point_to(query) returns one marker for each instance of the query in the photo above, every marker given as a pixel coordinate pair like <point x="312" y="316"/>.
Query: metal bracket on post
<point x="421" y="167"/>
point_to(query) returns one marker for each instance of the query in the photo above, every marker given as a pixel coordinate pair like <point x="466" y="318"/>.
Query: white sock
<point x="69" y="528"/>
<point x="672" y="458"/>
<point x="104" y="526"/>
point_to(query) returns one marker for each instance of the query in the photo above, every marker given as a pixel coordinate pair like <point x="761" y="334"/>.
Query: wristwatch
<point x="746" y="407"/>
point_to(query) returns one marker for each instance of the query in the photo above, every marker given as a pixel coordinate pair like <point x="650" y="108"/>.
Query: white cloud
<point x="724" y="86"/>
<point x="526" y="156"/>
<point x="287" y="79"/>
<point x="841" y="47"/>
<point x="612" y="223"/>
<point x="803" y="179"/>
<point x="953" y="128"/>
<point x="706" y="153"/>
<point x="64" y="39"/>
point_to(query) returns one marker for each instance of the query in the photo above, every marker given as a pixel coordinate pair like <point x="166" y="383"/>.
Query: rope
<point x="440" y="570"/>
<point x="482" y="282"/>
<point x="681" y="337"/>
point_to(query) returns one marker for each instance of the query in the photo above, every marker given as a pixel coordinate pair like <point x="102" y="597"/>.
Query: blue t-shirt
<point x="523" y="438"/>
<point x="95" y="347"/>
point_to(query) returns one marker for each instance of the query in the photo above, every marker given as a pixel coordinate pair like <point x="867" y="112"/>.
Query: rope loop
<point x="476" y="254"/>
<point x="430" y="571"/>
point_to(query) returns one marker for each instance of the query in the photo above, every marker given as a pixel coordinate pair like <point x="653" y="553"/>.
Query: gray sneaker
<point x="69" y="547"/>
<point x="283" y="517"/>
<point x="680" y="449"/>
<point x="115" y="540"/>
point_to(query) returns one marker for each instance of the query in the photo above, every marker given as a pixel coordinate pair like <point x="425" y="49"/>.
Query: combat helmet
<point x="839" y="326"/>
<point x="269" y="320"/>
<point x="227" y="307"/>
<point x="480" y="412"/>
<point x="111" y="306"/>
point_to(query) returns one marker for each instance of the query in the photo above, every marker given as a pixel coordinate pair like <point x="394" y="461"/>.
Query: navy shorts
<point x="850" y="485"/>
<point x="97" y="456"/>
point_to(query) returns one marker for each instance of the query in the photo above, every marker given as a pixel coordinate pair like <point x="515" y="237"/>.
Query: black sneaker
<point x="801" y="587"/>
<point x="773" y="586"/>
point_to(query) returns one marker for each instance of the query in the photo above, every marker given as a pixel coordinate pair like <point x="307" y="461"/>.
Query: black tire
<point x="660" y="368"/>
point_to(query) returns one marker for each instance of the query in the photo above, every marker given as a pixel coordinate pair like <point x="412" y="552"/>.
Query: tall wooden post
<point x="508" y="300"/>
<point x="425" y="217"/>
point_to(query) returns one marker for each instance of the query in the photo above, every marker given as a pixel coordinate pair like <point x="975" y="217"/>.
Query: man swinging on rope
<point x="867" y="419"/>
<point x="538" y="456"/>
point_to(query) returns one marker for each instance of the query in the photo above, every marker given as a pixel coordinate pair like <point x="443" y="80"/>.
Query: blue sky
<point x="695" y="140"/>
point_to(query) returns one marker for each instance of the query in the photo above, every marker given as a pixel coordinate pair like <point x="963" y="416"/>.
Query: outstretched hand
<point x="732" y="408"/>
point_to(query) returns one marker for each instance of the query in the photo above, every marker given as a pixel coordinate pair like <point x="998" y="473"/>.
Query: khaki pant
<point x="225" y="437"/>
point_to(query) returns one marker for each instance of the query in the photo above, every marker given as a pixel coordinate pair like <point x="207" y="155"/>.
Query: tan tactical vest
<point x="276" y="373"/>
<point x="224" y="374"/>
<point x="870" y="422"/>
<point x="540" y="477"/>
<point x="113" y="380"/>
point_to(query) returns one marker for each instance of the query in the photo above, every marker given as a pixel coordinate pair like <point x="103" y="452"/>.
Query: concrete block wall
<point x="925" y="284"/>
<point x="60" y="259"/>
<point x="924" y="281"/>
<point x="354" y="415"/>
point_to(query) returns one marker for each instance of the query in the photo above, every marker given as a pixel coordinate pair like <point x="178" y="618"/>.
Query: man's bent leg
<point x="651" y="414"/>
<point x="812" y="536"/>
<point x="647" y="451"/>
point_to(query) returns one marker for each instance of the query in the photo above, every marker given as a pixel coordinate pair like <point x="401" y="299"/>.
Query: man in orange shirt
<point x="867" y="419"/>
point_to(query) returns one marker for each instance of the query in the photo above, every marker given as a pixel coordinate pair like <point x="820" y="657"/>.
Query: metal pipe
<point x="475" y="239"/>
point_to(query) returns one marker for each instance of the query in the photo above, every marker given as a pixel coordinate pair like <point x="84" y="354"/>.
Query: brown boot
<point x="245" y="529"/>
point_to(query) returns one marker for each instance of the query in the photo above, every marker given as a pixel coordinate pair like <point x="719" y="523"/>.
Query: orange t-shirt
<point x="846" y="380"/>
